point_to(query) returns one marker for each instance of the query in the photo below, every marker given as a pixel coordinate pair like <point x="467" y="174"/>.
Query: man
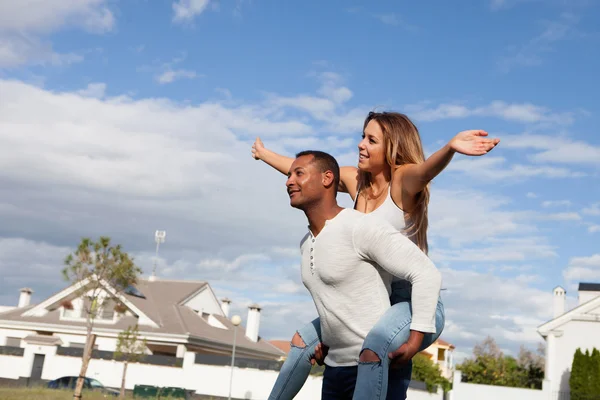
<point x="348" y="260"/>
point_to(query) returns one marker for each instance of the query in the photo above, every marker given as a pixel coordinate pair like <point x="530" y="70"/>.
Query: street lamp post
<point x="235" y="320"/>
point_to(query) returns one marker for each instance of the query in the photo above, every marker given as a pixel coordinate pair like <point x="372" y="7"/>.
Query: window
<point x="95" y="384"/>
<point x="441" y="354"/>
<point x="81" y="345"/>
<point x="13" y="342"/>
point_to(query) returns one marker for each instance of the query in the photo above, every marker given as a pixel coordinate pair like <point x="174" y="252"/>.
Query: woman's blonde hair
<point x="402" y="146"/>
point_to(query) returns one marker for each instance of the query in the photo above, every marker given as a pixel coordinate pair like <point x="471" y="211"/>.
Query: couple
<point x="376" y="292"/>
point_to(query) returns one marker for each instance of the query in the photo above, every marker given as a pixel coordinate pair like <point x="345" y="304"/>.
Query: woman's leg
<point x="376" y="381"/>
<point x="297" y="365"/>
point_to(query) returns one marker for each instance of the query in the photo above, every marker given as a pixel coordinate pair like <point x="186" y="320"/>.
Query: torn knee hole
<point x="297" y="341"/>
<point x="368" y="356"/>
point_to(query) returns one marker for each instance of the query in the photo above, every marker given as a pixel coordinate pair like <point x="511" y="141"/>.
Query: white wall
<point x="576" y="334"/>
<point x="472" y="391"/>
<point x="204" y="379"/>
<point x="423" y="395"/>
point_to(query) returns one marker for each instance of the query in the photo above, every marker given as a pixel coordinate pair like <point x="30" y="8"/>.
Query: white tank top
<point x="389" y="211"/>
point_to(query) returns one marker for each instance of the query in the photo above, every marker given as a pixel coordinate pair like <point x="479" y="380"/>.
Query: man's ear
<point x="328" y="179"/>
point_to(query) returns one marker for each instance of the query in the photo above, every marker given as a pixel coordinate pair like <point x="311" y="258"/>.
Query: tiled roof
<point x="283" y="345"/>
<point x="444" y="343"/>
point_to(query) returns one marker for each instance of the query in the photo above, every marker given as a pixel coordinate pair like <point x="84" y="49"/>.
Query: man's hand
<point x="320" y="353"/>
<point x="407" y="351"/>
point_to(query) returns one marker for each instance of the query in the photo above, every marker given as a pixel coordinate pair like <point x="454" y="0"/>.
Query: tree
<point x="595" y="373"/>
<point x="424" y="370"/>
<point x="129" y="349"/>
<point x="490" y="366"/>
<point x="532" y="367"/>
<point x="98" y="271"/>
<point x="576" y="380"/>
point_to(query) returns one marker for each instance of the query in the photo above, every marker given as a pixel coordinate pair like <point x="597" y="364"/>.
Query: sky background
<point x="120" y="117"/>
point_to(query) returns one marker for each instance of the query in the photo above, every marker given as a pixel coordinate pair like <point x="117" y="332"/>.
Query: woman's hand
<point x="257" y="149"/>
<point x="472" y="143"/>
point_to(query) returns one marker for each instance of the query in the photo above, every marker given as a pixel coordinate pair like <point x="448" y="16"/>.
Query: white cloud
<point x="489" y="169"/>
<point x="96" y="90"/>
<point x="593" y="209"/>
<point x="594" y="228"/>
<point x="170" y="75"/>
<point x="531" y="195"/>
<point x="329" y="107"/>
<point x="556" y="149"/>
<point x="21" y="259"/>
<point x="45" y="16"/>
<point x="556" y="203"/>
<point x="565" y="216"/>
<point x="583" y="269"/>
<point x="494" y="250"/>
<point x="524" y="112"/>
<point x="187" y="10"/>
<point x="494" y="310"/>
<point x="18" y="49"/>
<point x="468" y="217"/>
<point x="23" y="26"/>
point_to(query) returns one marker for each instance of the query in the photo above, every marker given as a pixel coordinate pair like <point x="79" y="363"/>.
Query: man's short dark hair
<point x="326" y="162"/>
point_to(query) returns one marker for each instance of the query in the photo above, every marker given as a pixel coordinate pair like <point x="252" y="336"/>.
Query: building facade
<point x="568" y="331"/>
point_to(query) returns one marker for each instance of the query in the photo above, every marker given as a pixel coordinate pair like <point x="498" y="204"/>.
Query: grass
<point x="48" y="394"/>
<point x="12" y="393"/>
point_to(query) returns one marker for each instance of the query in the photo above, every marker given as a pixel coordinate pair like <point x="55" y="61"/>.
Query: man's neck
<point x="320" y="213"/>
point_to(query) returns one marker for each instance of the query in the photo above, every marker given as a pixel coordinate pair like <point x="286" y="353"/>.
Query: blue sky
<point x="122" y="117"/>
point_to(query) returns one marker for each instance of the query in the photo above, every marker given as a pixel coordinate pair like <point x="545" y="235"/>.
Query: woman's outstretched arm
<point x="414" y="177"/>
<point x="348" y="175"/>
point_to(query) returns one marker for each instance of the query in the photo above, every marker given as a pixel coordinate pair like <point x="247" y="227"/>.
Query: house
<point x="188" y="333"/>
<point x="567" y="331"/>
<point x="284" y="345"/>
<point x="441" y="353"/>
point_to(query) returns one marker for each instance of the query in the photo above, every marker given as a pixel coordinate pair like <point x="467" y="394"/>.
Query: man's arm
<point x="376" y="240"/>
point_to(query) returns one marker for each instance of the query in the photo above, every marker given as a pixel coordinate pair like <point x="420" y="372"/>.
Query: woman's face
<point x="371" y="149"/>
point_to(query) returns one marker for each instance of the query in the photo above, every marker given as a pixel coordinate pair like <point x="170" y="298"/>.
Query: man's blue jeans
<point x="375" y="380"/>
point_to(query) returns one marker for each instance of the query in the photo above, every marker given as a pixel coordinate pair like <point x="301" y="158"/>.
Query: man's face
<point x="305" y="182"/>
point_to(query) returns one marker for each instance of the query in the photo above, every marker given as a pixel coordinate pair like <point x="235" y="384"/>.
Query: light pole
<point x="159" y="237"/>
<point x="235" y="320"/>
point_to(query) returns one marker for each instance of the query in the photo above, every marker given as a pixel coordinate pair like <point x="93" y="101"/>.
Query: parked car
<point x="69" y="382"/>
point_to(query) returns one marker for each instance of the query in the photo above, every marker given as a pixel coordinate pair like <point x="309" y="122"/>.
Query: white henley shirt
<point x="348" y="268"/>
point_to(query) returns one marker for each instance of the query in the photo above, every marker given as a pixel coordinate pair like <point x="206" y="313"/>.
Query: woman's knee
<point x="297" y="341"/>
<point x="368" y="355"/>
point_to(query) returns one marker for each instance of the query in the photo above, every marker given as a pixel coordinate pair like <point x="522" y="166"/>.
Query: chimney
<point x="25" y="297"/>
<point x="225" y="303"/>
<point x="253" y="322"/>
<point x="559" y="301"/>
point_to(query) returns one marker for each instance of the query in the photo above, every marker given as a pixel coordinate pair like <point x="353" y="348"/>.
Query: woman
<point x="392" y="179"/>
